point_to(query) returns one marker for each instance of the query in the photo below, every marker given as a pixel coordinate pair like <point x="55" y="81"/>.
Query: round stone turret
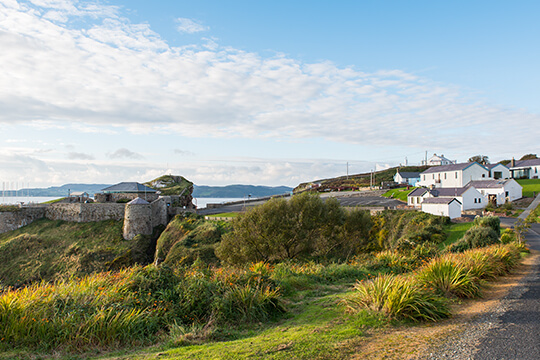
<point x="137" y="218"/>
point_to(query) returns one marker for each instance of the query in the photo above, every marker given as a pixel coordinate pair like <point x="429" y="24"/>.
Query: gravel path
<point x="510" y="329"/>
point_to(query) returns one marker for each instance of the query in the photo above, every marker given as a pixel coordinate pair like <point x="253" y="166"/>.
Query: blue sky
<point x="269" y="93"/>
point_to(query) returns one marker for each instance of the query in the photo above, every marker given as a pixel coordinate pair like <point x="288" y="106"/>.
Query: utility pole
<point x="347" y="170"/>
<point x="371" y="180"/>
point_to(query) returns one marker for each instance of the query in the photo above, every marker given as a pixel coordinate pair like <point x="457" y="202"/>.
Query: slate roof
<point x="418" y="192"/>
<point x="409" y="175"/>
<point x="451" y="167"/>
<point x="438" y="200"/>
<point x="487" y="184"/>
<point x="128" y="187"/>
<point x="491" y="166"/>
<point x="138" y="201"/>
<point x="448" y="192"/>
<point x="526" y="163"/>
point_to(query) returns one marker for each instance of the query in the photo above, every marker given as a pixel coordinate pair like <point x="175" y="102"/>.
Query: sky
<point x="263" y="93"/>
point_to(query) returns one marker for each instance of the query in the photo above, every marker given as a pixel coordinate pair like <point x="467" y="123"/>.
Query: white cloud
<point x="124" y="153"/>
<point x="190" y="26"/>
<point x="79" y="156"/>
<point x="115" y="76"/>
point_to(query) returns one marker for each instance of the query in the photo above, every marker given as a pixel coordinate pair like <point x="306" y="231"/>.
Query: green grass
<point x="530" y="186"/>
<point x="229" y="215"/>
<point x="53" y="201"/>
<point x="399" y="193"/>
<point x="50" y="250"/>
<point x="455" y="232"/>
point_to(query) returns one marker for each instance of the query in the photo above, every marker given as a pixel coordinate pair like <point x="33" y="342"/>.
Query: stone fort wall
<point x="12" y="220"/>
<point x="86" y="212"/>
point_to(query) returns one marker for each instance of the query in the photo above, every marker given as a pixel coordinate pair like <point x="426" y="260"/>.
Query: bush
<point x="449" y="278"/>
<point x="489" y="221"/>
<point x="508" y="236"/>
<point x="475" y="237"/>
<point x="398" y="297"/>
<point x="303" y="227"/>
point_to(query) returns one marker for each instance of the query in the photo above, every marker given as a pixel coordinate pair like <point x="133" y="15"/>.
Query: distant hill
<point x="357" y="180"/>
<point x="239" y="191"/>
<point x="63" y="190"/>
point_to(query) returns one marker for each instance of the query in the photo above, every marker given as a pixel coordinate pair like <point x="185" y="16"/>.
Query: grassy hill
<point x="52" y="250"/>
<point x="358" y="180"/>
<point x="171" y="185"/>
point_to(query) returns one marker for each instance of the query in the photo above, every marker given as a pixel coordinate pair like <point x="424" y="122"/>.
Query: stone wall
<point x="12" y="220"/>
<point x="138" y="220"/>
<point x="86" y="212"/>
<point x="160" y="214"/>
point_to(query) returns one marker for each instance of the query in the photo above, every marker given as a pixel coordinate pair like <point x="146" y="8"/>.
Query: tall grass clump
<point x="398" y="297"/>
<point x="449" y="278"/>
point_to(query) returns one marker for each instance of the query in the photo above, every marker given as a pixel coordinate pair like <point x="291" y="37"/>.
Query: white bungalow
<point x="450" y="207"/>
<point x="498" y="192"/>
<point x="453" y="176"/>
<point x="469" y="197"/>
<point x="409" y="178"/>
<point x="525" y="169"/>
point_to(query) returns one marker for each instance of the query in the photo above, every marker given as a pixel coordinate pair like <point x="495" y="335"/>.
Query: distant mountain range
<point x="230" y="191"/>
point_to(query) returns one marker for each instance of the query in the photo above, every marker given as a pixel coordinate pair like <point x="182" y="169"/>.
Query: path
<point x="509" y="330"/>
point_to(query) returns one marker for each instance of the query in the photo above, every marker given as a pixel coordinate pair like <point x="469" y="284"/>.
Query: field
<point x="531" y="187"/>
<point x="399" y="193"/>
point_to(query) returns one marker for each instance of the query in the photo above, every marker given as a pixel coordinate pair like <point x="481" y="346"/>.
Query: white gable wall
<point x="452" y="210"/>
<point x="458" y="178"/>
<point x="503" y="170"/>
<point x="511" y="191"/>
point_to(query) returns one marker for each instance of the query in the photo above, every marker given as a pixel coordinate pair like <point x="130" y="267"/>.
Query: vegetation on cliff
<point x="171" y="185"/>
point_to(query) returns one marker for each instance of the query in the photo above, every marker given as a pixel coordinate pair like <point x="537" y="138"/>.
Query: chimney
<point x="513" y="162"/>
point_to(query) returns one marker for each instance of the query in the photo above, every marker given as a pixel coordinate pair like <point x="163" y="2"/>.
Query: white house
<point x="437" y="160"/>
<point x="453" y="176"/>
<point x="450" y="207"/>
<point x="498" y="191"/>
<point x="409" y="178"/>
<point x="525" y="169"/>
<point x="469" y="197"/>
<point x="498" y="171"/>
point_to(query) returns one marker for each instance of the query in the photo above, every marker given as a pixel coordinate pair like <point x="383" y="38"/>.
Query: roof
<point x="491" y="166"/>
<point x="451" y="167"/>
<point x="138" y="201"/>
<point x="526" y="163"/>
<point x="128" y="187"/>
<point x="409" y="175"/>
<point x="418" y="192"/>
<point x="448" y="192"/>
<point x="437" y="200"/>
<point x="487" y="184"/>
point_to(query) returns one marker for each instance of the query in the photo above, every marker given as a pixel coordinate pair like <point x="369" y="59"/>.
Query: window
<point x="456" y="174"/>
<point x="433" y="176"/>
<point x="475" y="200"/>
<point x="444" y="176"/>
<point x="497" y="174"/>
<point x="506" y="194"/>
<point x="424" y="177"/>
<point x="484" y="175"/>
<point x="479" y="200"/>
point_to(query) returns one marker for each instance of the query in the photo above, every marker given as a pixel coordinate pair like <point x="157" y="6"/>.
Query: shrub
<point x="398" y="297"/>
<point x="475" y="237"/>
<point x="508" y="236"/>
<point x="449" y="278"/>
<point x="489" y="221"/>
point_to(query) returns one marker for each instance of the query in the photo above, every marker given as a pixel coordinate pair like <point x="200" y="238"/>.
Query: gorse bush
<point x="475" y="237"/>
<point x="301" y="228"/>
<point x="489" y="221"/>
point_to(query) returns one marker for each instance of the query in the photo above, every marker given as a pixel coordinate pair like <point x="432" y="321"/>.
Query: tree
<point x="529" y="157"/>
<point x="481" y="159"/>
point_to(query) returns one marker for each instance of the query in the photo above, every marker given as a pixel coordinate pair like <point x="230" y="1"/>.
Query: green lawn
<point x="455" y="232"/>
<point x="530" y="186"/>
<point x="399" y="193"/>
<point x="229" y="215"/>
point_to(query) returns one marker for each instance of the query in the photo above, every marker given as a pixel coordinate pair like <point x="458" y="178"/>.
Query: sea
<point x="11" y="200"/>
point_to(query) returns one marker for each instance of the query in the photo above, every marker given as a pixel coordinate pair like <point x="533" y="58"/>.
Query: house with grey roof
<point x="498" y="171"/>
<point x="453" y="176"/>
<point x="525" y="169"/>
<point x="126" y="191"/>
<point x="499" y="191"/>
<point x="408" y="178"/>
<point x="450" y="207"/>
<point x="438" y="160"/>
<point x="469" y="197"/>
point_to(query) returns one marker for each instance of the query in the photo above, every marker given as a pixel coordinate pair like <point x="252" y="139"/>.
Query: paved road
<point x="511" y="329"/>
